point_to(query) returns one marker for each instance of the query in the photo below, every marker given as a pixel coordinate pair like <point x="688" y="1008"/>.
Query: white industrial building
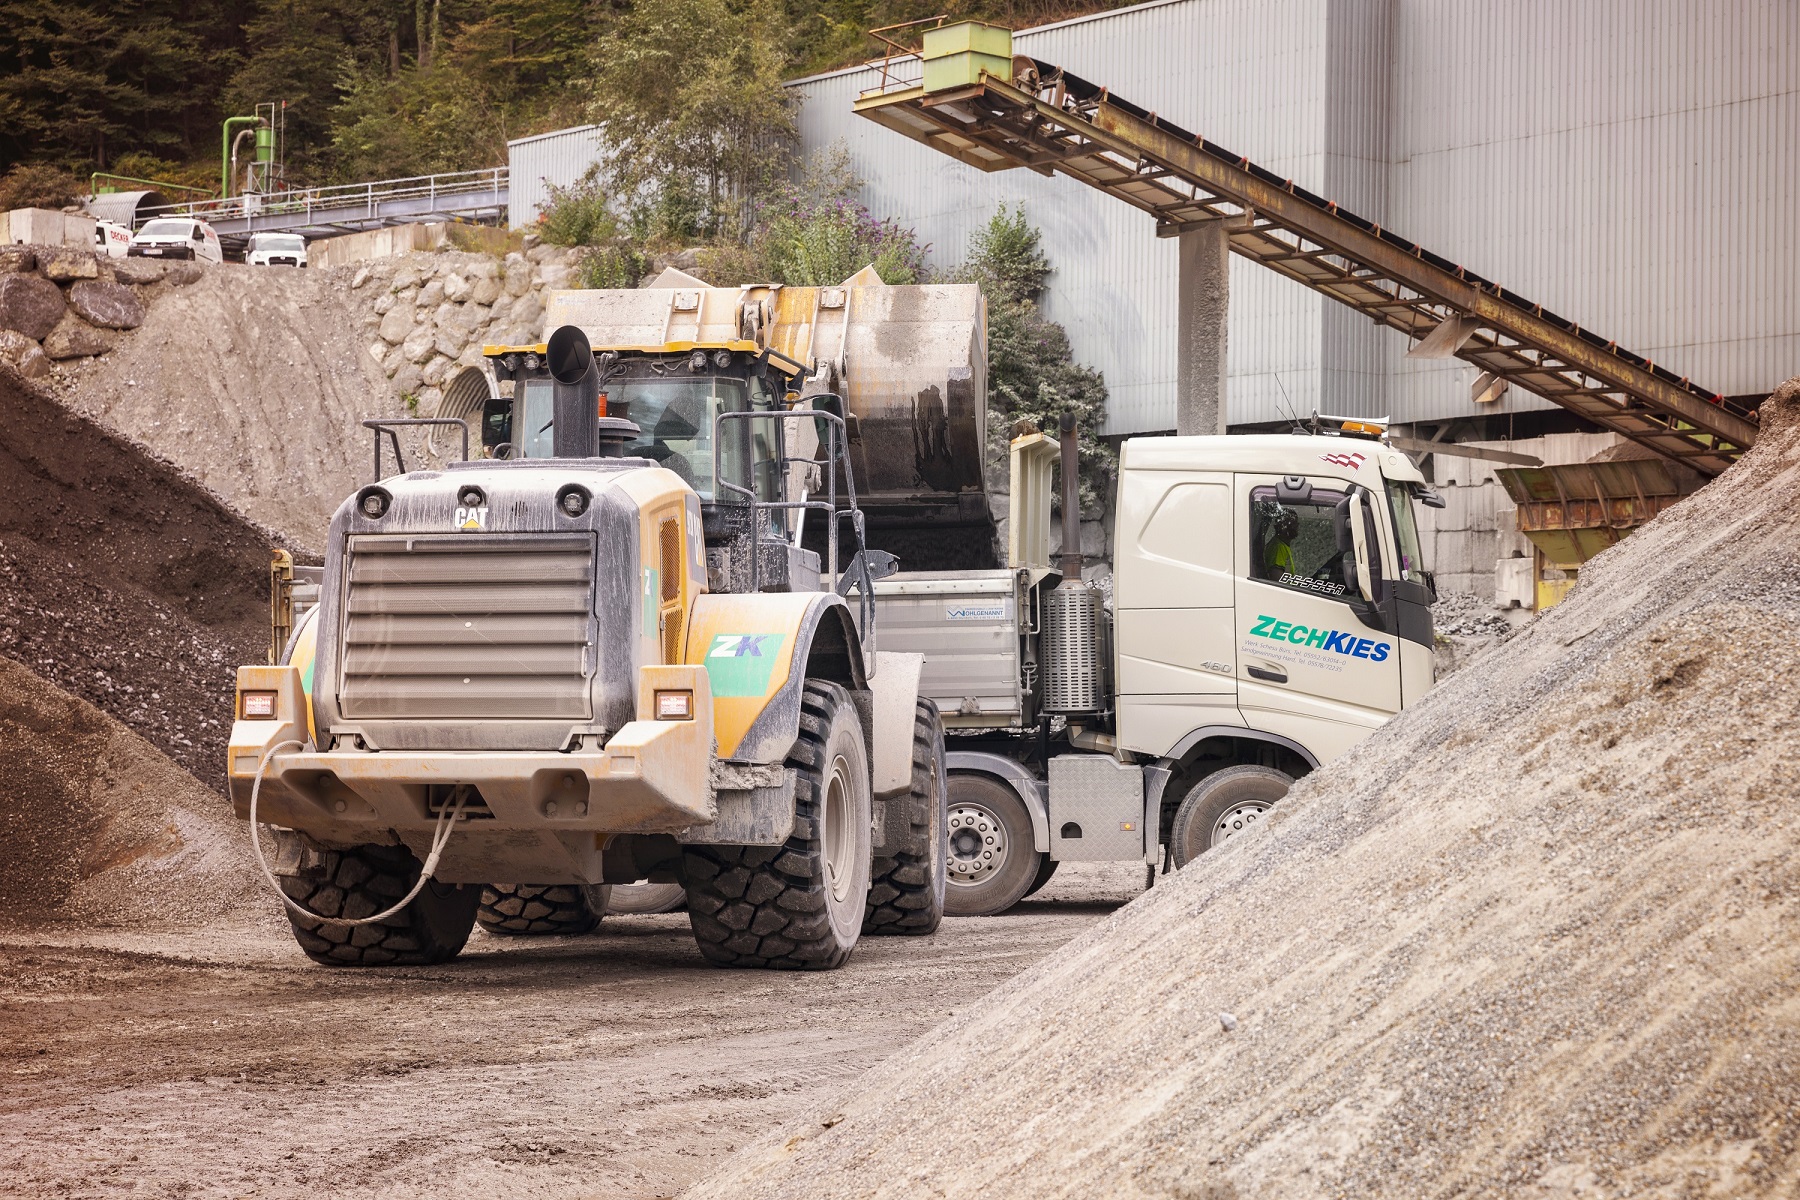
<point x="1630" y="164"/>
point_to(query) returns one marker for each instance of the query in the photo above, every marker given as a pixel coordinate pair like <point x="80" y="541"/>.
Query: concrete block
<point x="1515" y="582"/>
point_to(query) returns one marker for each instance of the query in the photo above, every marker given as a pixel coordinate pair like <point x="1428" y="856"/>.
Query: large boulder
<point x="23" y="353"/>
<point x="30" y="305"/>
<point x="75" y="338"/>
<point x="396" y="323"/>
<point x="183" y="273"/>
<point x="17" y="258"/>
<point x="137" y="270"/>
<point x="418" y="343"/>
<point x="69" y="265"/>
<point x="487" y="289"/>
<point x="108" y="305"/>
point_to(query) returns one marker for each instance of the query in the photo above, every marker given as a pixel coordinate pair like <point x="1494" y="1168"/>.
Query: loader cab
<point x="674" y="397"/>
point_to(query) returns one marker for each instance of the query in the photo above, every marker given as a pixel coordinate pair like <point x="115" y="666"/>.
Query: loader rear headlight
<point x="374" y="502"/>
<point x="721" y="358"/>
<point x="572" y="499"/>
<point x="511" y="363"/>
<point x="471" y="497"/>
<point x="697" y="361"/>
<point x="533" y="362"/>
<point x="257" y="706"/>
<point x="674" y="706"/>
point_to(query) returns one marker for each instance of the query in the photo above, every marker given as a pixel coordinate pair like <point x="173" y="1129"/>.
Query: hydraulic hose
<point x="440" y="838"/>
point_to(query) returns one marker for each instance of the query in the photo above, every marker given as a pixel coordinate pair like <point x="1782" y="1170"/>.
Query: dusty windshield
<point x="674" y="417"/>
<point x="280" y="241"/>
<point x="165" y="229"/>
<point x="1406" y="532"/>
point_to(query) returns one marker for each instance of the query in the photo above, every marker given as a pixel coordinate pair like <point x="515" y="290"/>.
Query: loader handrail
<point x="385" y="425"/>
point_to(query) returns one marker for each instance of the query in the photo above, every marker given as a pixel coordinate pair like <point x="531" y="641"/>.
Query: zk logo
<point x="1349" y="459"/>
<point x="739" y="645"/>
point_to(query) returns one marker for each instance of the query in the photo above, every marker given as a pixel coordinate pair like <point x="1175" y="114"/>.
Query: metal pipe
<point x="1070" y="558"/>
<point x="225" y="152"/>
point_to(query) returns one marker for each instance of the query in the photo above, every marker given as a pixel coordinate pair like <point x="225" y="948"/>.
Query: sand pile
<point x="1538" y="937"/>
<point x="254" y="382"/>
<point x="124" y="582"/>
<point x="101" y="828"/>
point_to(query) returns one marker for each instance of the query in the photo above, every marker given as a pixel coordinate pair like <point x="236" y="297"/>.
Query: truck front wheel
<point x="524" y="909"/>
<point x="1223" y="805"/>
<point x="993" y="862"/>
<point x="799" y="905"/>
<point x="362" y="881"/>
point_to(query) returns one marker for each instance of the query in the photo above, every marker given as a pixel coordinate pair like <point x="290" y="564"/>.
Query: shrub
<point x="38" y="185"/>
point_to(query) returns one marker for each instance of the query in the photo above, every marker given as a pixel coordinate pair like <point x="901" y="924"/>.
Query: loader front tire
<point x="540" y="909"/>
<point x="364" y="880"/>
<point x="797" y="906"/>
<point x="906" y="887"/>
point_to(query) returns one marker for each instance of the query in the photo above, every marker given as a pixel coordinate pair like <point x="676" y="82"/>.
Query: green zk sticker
<point x="739" y="664"/>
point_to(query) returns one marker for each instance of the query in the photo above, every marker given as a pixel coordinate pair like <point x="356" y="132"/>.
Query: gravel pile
<point x="102" y="829"/>
<point x="124" y="582"/>
<point x="1538" y="937"/>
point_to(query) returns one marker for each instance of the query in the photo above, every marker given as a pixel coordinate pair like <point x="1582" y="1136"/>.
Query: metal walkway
<point x="325" y="212"/>
<point x="1050" y="121"/>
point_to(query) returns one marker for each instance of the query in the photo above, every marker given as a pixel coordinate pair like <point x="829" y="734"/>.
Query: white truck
<point x="1269" y="609"/>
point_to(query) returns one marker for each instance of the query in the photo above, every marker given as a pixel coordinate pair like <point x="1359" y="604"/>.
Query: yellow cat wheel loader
<point x="602" y="654"/>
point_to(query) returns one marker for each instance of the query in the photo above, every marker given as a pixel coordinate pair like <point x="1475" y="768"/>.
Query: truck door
<point x="1309" y="666"/>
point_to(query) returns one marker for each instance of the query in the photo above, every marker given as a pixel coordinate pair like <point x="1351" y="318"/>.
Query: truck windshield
<point x="280" y="241"/>
<point x="165" y="229"/>
<point x="1406" y="532"/>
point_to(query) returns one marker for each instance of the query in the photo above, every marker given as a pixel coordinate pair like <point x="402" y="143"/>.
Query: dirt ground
<point x="223" y="1063"/>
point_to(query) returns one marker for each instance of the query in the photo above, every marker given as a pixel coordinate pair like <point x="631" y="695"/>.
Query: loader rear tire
<point x="797" y="906"/>
<point x="364" y="880"/>
<point x="1223" y="805"/>
<point x="906" y="888"/>
<point x="540" y="909"/>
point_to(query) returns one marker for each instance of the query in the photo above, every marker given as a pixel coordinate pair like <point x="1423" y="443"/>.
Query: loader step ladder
<point x="1049" y="121"/>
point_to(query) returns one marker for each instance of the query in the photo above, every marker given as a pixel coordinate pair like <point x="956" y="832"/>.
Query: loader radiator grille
<point x="467" y="627"/>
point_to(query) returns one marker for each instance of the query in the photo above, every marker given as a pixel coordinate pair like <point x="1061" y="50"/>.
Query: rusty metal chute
<point x="1573" y="512"/>
<point x="999" y="115"/>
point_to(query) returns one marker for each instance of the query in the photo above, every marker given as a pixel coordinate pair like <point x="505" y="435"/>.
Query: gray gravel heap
<point x="1538" y="937"/>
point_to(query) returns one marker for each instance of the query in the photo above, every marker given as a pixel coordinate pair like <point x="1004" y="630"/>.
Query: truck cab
<point x="1269" y="608"/>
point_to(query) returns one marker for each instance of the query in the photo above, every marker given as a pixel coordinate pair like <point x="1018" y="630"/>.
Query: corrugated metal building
<point x="1628" y="163"/>
<point x="560" y="158"/>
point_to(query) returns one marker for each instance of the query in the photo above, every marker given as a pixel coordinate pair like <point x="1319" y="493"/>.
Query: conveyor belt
<point x="1050" y="121"/>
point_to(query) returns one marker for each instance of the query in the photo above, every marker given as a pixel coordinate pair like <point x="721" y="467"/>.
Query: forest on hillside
<point x="387" y="88"/>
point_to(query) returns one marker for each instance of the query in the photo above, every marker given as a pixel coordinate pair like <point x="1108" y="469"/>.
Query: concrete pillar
<point x="1203" y="299"/>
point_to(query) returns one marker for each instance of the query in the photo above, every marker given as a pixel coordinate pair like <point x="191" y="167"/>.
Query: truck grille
<point x="467" y="627"/>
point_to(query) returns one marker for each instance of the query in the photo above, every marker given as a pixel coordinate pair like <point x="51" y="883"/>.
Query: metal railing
<point x="387" y="425"/>
<point x="344" y="201"/>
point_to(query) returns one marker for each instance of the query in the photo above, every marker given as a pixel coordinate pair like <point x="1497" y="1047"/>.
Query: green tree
<point x="1032" y="372"/>
<point x="689" y="96"/>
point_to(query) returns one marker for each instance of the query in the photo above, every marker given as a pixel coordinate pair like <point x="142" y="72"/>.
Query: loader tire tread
<point x="906" y="888"/>
<point x="364" y="880"/>
<point x="537" y="909"/>
<point x="766" y="906"/>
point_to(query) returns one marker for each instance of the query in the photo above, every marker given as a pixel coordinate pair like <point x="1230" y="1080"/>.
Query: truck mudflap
<point x="652" y="776"/>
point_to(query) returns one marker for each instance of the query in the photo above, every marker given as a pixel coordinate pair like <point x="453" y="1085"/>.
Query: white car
<point x="176" y="237"/>
<point x="112" y="239"/>
<point x="276" y="250"/>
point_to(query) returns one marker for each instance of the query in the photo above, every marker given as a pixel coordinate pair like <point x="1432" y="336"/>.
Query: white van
<point x="112" y="239"/>
<point x="176" y="237"/>
<point x="276" y="250"/>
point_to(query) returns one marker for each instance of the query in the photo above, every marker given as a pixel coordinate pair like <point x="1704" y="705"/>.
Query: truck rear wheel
<point x="360" y="882"/>
<point x="906" y="888"/>
<point x="526" y="909"/>
<point x="799" y="905"/>
<point x="646" y="899"/>
<point x="992" y="860"/>
<point x="1223" y="805"/>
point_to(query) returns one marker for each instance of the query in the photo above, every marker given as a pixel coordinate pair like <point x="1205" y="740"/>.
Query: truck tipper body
<point x="1268" y="609"/>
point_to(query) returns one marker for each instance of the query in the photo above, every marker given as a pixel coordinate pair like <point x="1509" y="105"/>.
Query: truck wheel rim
<point x="840" y="832"/>
<point x="1237" y="819"/>
<point x="978" y="846"/>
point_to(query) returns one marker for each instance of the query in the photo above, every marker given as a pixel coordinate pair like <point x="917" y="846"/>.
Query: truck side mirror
<point x="1350" y="524"/>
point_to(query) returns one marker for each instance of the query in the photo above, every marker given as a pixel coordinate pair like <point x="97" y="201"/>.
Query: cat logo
<point x="471" y="520"/>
